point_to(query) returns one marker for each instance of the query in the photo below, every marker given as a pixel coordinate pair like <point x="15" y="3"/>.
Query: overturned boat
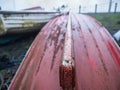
<point x="17" y="22"/>
<point x="72" y="52"/>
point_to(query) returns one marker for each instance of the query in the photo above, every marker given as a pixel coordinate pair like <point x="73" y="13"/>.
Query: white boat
<point x="15" y="22"/>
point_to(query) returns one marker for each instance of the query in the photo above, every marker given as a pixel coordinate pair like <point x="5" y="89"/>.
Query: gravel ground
<point x="11" y="56"/>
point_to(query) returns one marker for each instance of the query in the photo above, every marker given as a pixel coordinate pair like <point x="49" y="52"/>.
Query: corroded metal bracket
<point x="67" y="76"/>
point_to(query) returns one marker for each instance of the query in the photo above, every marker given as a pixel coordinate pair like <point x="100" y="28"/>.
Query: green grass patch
<point x="7" y="53"/>
<point x="110" y="20"/>
<point x="1" y="27"/>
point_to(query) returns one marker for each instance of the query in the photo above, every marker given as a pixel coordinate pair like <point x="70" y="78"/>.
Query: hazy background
<point x="49" y="5"/>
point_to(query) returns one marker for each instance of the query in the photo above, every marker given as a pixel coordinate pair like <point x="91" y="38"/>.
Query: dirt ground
<point x="11" y="56"/>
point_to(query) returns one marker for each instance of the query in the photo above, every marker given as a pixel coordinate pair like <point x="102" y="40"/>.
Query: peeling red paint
<point x="72" y="52"/>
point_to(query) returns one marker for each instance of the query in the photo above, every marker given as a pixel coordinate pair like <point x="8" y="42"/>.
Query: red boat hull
<point x="72" y="52"/>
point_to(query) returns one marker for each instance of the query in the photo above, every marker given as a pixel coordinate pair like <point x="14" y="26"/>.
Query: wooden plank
<point x="27" y="18"/>
<point x="16" y="25"/>
<point x="67" y="66"/>
<point x="25" y="21"/>
<point x="27" y="12"/>
<point x="19" y="15"/>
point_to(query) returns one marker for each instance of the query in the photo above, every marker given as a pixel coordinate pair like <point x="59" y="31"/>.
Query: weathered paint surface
<point x="72" y="52"/>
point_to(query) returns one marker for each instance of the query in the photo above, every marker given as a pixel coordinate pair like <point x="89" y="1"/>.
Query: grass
<point x="7" y="53"/>
<point x="1" y="27"/>
<point x="110" y="20"/>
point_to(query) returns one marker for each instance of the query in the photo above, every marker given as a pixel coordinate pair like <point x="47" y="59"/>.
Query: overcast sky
<point x="87" y="5"/>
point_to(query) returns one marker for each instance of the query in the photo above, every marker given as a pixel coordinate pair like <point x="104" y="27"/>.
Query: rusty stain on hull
<point x="72" y="52"/>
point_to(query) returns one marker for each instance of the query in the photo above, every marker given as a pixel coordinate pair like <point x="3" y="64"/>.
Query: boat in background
<point x="13" y="23"/>
<point x="23" y="21"/>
